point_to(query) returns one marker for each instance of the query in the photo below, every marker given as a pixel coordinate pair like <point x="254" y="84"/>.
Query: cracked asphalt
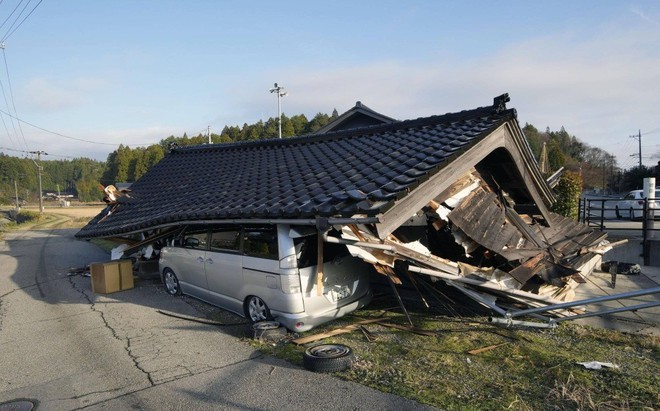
<point x="66" y="348"/>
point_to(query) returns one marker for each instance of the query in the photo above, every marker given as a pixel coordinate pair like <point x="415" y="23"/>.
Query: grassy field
<point x="56" y="217"/>
<point x="518" y="369"/>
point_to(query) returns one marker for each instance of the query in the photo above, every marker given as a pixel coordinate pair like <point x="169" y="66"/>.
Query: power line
<point x="11" y="14"/>
<point x="49" y="154"/>
<point x="22" y="21"/>
<point x="11" y="95"/>
<point x="638" y="137"/>
<point x="63" y="135"/>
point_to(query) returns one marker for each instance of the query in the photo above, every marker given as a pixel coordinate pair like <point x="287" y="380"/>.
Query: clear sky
<point x="137" y="71"/>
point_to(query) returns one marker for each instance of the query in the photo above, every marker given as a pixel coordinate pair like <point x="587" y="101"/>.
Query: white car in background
<point x="632" y="205"/>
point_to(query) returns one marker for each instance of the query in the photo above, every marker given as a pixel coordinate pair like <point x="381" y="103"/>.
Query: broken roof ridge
<point x="497" y="109"/>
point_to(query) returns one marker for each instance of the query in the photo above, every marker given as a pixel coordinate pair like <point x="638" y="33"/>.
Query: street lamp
<point x="280" y="93"/>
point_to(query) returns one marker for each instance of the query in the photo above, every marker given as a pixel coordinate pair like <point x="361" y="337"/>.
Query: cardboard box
<point x="112" y="276"/>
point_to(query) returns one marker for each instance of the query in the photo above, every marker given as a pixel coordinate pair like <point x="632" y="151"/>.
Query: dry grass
<point x="527" y="370"/>
<point x="56" y="217"/>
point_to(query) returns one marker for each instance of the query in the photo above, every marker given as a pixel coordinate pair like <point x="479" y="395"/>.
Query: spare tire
<point x="328" y="358"/>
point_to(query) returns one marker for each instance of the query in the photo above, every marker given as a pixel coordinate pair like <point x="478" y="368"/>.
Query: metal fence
<point x="613" y="215"/>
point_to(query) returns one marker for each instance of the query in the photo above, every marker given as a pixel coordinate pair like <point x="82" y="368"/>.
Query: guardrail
<point x="598" y="212"/>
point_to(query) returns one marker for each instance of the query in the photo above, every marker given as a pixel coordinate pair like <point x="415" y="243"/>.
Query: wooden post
<point x="319" y="265"/>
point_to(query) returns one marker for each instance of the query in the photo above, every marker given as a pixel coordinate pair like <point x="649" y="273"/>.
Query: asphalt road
<point x="66" y="348"/>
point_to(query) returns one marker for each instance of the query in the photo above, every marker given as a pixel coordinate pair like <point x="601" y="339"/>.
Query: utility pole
<point x="208" y="133"/>
<point x="39" y="168"/>
<point x="16" y="194"/>
<point x="280" y="93"/>
<point x="638" y="137"/>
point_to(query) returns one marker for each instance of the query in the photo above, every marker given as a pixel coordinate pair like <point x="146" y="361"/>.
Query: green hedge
<point x="569" y="191"/>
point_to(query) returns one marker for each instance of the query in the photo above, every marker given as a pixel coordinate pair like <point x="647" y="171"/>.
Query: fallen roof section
<point x="377" y="173"/>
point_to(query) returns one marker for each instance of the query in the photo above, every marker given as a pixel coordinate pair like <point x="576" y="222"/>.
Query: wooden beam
<point x="336" y="331"/>
<point x="319" y="265"/>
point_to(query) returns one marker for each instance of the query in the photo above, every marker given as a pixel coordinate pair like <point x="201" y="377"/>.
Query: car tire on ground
<point x="256" y="309"/>
<point x="171" y="282"/>
<point x="328" y="358"/>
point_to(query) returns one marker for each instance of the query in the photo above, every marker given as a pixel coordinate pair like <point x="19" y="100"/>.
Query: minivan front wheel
<point x="256" y="309"/>
<point x="171" y="281"/>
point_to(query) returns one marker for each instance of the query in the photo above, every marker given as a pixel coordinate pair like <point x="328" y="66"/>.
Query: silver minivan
<point x="265" y="272"/>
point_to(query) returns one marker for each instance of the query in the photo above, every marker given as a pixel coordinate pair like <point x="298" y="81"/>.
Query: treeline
<point x="84" y="178"/>
<point x="127" y="165"/>
<point x="598" y="168"/>
<point x="79" y="177"/>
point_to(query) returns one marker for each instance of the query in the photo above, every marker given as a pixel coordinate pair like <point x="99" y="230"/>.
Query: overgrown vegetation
<point x="12" y="220"/>
<point x="569" y="190"/>
<point x="597" y="167"/>
<point x="523" y="370"/>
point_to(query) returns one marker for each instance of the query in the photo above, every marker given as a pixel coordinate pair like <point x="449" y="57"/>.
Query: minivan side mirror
<point x="192" y="242"/>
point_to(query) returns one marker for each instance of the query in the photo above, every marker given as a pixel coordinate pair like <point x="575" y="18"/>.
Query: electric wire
<point x="13" y="124"/>
<point x="63" y="135"/>
<point x="11" y="95"/>
<point x="22" y="21"/>
<point x="17" y="18"/>
<point x="4" y="124"/>
<point x="11" y="14"/>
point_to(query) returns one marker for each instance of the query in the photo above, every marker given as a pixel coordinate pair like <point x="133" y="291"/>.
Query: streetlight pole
<point x="280" y="93"/>
<point x="41" y="197"/>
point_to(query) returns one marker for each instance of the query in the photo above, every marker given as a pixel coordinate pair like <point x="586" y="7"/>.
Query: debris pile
<point x="472" y="238"/>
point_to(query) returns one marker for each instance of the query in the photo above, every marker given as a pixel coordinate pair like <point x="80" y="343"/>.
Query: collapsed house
<point x="456" y="197"/>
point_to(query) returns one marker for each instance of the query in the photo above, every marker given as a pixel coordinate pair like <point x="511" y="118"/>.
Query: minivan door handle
<point x="209" y="261"/>
<point x="200" y="259"/>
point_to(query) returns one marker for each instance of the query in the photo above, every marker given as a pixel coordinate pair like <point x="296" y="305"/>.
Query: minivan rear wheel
<point x="171" y="281"/>
<point x="256" y="309"/>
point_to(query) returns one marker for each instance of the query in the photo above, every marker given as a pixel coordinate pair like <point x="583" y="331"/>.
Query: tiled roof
<point x="341" y="174"/>
<point x="358" y="116"/>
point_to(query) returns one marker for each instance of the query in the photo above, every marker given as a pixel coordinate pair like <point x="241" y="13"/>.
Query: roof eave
<point x="505" y="136"/>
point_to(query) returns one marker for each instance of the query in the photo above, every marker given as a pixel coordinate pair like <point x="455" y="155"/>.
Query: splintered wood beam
<point x="343" y="330"/>
<point x="357" y="232"/>
<point x="484" y="349"/>
<point x="319" y="266"/>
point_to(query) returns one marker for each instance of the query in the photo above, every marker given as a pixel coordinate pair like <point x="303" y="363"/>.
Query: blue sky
<point x="134" y="72"/>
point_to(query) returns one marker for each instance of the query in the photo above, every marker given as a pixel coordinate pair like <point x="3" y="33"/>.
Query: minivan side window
<point x="195" y="239"/>
<point x="261" y="242"/>
<point x="226" y="239"/>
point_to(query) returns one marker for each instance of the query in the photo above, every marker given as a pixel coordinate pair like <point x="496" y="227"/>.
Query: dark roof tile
<point x="340" y="174"/>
